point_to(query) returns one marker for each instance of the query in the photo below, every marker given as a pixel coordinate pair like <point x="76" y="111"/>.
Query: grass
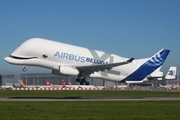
<point x="89" y="94"/>
<point x="105" y="110"/>
<point x="89" y="110"/>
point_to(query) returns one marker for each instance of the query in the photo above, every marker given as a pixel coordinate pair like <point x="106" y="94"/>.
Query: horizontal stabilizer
<point x="134" y="82"/>
<point x="130" y="60"/>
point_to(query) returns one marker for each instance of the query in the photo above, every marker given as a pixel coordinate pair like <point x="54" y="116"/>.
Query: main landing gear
<point x="82" y="81"/>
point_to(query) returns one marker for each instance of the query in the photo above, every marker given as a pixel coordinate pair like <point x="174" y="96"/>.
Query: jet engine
<point x="67" y="70"/>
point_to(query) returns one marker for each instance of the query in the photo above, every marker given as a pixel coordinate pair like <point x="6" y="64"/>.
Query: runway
<point x="93" y="99"/>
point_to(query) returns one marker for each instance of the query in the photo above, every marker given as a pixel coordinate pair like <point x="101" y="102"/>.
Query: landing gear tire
<point x="81" y="83"/>
<point x="77" y="80"/>
<point x="87" y="83"/>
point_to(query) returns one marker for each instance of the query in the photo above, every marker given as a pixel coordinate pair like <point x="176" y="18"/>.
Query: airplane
<point x="158" y="75"/>
<point x="23" y="85"/>
<point x="15" y="86"/>
<point x="167" y="87"/>
<point x="176" y="87"/>
<point x="5" y="86"/>
<point x="55" y="86"/>
<point x="48" y="83"/>
<point x="34" y="86"/>
<point x="69" y="85"/>
<point x="172" y="73"/>
<point x="65" y="59"/>
<point x="65" y="85"/>
<point x="121" y="87"/>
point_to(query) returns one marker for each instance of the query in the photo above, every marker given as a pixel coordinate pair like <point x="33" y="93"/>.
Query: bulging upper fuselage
<point x="51" y="54"/>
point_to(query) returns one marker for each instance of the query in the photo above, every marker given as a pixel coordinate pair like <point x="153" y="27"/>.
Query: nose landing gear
<point x="24" y="69"/>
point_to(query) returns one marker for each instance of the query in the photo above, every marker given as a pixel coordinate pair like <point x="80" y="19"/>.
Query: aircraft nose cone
<point x="7" y="59"/>
<point x="14" y="60"/>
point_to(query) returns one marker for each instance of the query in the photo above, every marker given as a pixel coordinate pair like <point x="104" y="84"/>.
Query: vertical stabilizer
<point x="14" y="85"/>
<point x="48" y="83"/>
<point x="172" y="73"/>
<point x="22" y="84"/>
<point x="149" y="66"/>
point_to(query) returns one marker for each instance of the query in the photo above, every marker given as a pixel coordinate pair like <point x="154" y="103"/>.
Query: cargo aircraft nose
<point x="11" y="60"/>
<point x="7" y="59"/>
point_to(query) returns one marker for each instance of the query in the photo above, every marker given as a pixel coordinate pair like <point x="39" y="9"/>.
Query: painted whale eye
<point x="44" y="56"/>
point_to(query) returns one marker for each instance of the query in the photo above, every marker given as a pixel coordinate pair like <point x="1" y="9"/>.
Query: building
<point x="40" y="79"/>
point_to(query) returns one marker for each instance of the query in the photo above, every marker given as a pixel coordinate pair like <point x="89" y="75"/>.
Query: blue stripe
<point x="148" y="67"/>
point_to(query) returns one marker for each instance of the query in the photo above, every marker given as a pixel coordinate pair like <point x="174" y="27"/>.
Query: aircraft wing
<point x="96" y="68"/>
<point x="155" y="77"/>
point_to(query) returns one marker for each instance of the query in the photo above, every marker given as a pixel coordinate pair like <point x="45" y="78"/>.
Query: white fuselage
<point x="6" y="86"/>
<point x="50" y="54"/>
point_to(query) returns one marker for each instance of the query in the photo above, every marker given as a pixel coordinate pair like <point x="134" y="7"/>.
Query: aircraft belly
<point x="107" y="76"/>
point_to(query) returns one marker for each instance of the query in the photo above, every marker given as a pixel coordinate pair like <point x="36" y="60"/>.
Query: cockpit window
<point x="21" y="58"/>
<point x="44" y="56"/>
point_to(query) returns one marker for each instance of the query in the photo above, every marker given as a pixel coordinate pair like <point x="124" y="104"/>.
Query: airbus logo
<point x="78" y="58"/>
<point x="158" y="59"/>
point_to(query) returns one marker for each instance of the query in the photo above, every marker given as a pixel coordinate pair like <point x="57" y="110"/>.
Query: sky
<point x="128" y="28"/>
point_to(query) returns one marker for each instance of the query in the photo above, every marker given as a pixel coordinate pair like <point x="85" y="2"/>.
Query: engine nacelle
<point x="66" y="70"/>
